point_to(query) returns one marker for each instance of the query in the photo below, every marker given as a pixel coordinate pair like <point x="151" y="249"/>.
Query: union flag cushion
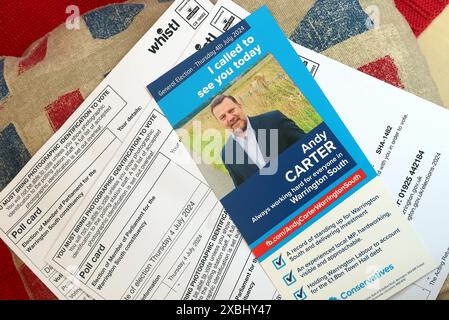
<point x="42" y="88"/>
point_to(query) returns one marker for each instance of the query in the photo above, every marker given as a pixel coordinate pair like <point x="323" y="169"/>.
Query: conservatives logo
<point x="164" y="35"/>
<point x="366" y="283"/>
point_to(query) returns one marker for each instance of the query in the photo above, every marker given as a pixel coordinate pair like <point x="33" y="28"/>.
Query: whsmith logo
<point x="164" y="36"/>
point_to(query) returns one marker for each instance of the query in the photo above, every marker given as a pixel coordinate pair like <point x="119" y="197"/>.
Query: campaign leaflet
<point x="389" y="142"/>
<point x="287" y="170"/>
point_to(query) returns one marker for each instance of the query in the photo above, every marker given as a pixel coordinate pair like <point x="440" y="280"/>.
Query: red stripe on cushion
<point x="11" y="285"/>
<point x="23" y="22"/>
<point x="34" y="57"/>
<point x="61" y="109"/>
<point x="384" y="69"/>
<point x="38" y="290"/>
<point x="420" y="13"/>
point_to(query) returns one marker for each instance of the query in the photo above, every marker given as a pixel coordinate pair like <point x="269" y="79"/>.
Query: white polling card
<point x="39" y="201"/>
<point x="152" y="229"/>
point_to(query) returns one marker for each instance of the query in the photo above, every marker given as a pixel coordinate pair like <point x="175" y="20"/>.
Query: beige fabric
<point x="434" y="43"/>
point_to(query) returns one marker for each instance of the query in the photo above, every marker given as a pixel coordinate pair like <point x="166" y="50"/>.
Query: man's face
<point x="231" y="115"/>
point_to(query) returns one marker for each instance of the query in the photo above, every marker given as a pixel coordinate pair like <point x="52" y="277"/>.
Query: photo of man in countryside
<point x="254" y="141"/>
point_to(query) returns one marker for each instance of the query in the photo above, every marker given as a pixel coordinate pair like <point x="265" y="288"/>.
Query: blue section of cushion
<point x="330" y="22"/>
<point x="13" y="155"/>
<point x="4" y="90"/>
<point x="108" y="21"/>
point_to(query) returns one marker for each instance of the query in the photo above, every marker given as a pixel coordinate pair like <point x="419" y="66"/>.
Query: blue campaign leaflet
<point x="287" y="170"/>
